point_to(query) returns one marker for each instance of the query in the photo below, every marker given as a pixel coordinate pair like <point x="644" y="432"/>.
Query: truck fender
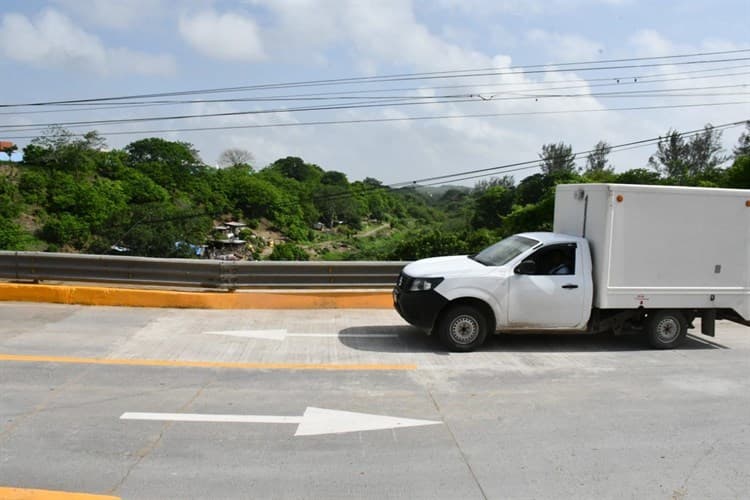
<point x="476" y="294"/>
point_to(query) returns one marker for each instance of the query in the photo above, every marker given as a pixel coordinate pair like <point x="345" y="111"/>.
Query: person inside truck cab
<point x="558" y="263"/>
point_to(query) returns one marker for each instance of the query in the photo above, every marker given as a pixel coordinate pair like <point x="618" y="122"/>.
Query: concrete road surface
<point x="356" y="404"/>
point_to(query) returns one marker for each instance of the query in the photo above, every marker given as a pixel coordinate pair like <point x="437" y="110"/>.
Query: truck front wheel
<point x="462" y="328"/>
<point x="666" y="329"/>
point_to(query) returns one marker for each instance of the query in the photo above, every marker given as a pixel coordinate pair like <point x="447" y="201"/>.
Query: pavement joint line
<point x="26" y="358"/>
<point x="9" y="493"/>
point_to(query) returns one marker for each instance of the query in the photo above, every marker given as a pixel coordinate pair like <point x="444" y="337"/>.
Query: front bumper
<point x="420" y="309"/>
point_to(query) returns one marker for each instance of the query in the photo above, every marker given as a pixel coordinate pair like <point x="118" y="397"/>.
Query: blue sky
<point x="69" y="49"/>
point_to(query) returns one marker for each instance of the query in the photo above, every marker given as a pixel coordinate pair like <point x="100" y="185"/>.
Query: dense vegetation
<point x="157" y="198"/>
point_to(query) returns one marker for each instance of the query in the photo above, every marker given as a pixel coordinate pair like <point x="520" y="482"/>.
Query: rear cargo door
<point x="550" y="293"/>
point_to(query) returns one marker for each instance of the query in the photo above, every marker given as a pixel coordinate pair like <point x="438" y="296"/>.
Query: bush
<point x="288" y="251"/>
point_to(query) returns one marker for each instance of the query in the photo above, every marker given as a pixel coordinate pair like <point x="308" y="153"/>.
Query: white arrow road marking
<point x="314" y="422"/>
<point x="283" y="334"/>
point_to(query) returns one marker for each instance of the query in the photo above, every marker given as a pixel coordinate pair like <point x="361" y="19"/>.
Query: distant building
<point x="226" y="244"/>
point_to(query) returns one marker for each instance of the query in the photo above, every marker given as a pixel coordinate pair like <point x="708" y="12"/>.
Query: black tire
<point x="666" y="329"/>
<point x="462" y="328"/>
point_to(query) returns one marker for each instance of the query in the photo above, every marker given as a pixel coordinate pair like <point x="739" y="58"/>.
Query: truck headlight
<point x="424" y="284"/>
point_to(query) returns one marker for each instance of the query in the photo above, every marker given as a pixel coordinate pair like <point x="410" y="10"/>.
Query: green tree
<point x="738" y="175"/>
<point x="66" y="230"/>
<point x="743" y="143"/>
<point x="428" y="243"/>
<point x="170" y="164"/>
<point x="505" y="181"/>
<point x="295" y="168"/>
<point x="288" y="251"/>
<point x="161" y="229"/>
<point x="532" y="217"/>
<point x="671" y="157"/>
<point x="57" y="148"/>
<point x="639" y="176"/>
<point x="557" y="159"/>
<point x="10" y="198"/>
<point x="597" y="161"/>
<point x="684" y="161"/>
<point x="334" y="178"/>
<point x="12" y="236"/>
<point x="491" y="206"/>
<point x="533" y="188"/>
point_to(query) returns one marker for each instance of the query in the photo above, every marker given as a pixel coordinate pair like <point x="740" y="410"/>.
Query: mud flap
<point x="708" y="322"/>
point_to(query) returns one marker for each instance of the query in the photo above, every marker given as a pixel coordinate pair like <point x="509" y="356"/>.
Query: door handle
<point x="570" y="287"/>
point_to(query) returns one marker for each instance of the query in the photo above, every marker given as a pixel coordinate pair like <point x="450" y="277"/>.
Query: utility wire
<point x="411" y="118"/>
<point x="447" y="99"/>
<point x="485" y="89"/>
<point x="623" y="80"/>
<point x="512" y="70"/>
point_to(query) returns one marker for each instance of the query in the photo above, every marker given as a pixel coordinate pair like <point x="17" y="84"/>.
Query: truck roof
<point x="547" y="238"/>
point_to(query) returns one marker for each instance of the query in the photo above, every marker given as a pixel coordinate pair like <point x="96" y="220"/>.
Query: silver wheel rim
<point x="464" y="329"/>
<point x="667" y="330"/>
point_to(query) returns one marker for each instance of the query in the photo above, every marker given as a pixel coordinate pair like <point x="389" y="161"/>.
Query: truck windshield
<point x="504" y="251"/>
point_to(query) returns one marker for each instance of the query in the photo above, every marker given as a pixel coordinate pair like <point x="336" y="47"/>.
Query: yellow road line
<point x="266" y="299"/>
<point x="29" y="494"/>
<point x="26" y="358"/>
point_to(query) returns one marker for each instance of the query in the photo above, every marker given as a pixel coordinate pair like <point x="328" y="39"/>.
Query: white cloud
<point x="227" y="36"/>
<point x="52" y="40"/>
<point x="566" y="47"/>
<point x="650" y="43"/>
<point x="480" y="8"/>
<point x="119" y="14"/>
<point x="381" y="36"/>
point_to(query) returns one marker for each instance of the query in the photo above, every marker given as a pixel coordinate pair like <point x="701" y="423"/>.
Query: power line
<point x="412" y="118"/>
<point x="623" y="80"/>
<point x="404" y="101"/>
<point x="512" y="70"/>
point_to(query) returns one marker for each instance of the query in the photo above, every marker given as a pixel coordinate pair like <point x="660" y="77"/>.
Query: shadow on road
<point x="399" y="339"/>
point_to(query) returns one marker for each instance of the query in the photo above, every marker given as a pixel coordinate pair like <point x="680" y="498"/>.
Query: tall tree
<point x="671" y="157"/>
<point x="505" y="181"/>
<point x="743" y="143"/>
<point x="597" y="161"/>
<point x="170" y="164"/>
<point x="557" y="159"/>
<point x="706" y="152"/>
<point x="234" y="157"/>
<point x="685" y="161"/>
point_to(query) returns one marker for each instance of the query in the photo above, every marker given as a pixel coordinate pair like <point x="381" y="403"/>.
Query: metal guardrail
<point x="40" y="266"/>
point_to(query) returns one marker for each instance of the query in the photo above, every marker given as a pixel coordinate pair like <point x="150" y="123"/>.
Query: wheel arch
<point x="480" y="304"/>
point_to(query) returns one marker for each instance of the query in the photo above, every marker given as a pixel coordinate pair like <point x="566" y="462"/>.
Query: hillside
<point x="157" y="198"/>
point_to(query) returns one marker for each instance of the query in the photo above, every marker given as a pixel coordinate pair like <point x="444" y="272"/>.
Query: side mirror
<point x="526" y="267"/>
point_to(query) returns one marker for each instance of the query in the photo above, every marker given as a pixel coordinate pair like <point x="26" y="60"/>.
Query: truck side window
<point x="555" y="260"/>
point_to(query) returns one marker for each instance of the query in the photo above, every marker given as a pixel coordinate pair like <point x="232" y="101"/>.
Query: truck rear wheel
<point x="462" y="328"/>
<point x="666" y="329"/>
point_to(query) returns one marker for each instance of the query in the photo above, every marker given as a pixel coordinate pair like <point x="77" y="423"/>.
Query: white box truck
<point x="620" y="257"/>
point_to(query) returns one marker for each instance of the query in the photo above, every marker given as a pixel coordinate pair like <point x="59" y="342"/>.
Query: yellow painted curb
<point x="102" y="296"/>
<point x="29" y="358"/>
<point x="27" y="494"/>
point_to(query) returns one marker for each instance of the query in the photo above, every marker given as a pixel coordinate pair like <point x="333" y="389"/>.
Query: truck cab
<point x="527" y="282"/>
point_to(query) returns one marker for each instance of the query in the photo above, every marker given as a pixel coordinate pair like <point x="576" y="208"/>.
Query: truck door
<point x="547" y="290"/>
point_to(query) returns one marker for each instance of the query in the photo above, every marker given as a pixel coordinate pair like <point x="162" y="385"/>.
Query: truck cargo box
<point x="662" y="246"/>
